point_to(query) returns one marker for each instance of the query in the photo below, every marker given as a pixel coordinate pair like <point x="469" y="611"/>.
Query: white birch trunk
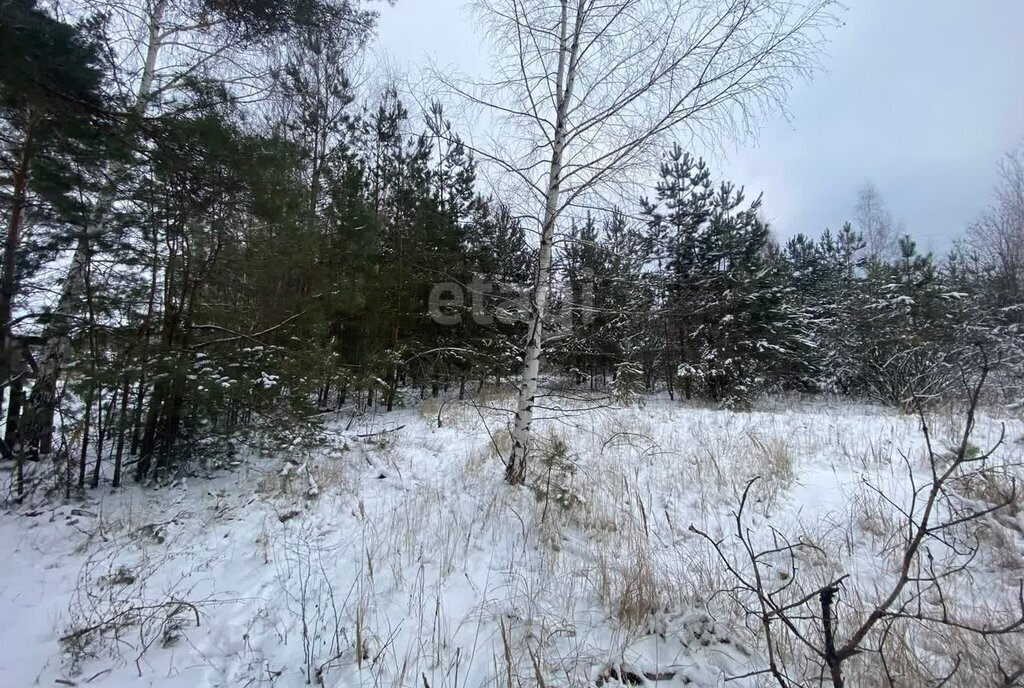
<point x="515" y="471"/>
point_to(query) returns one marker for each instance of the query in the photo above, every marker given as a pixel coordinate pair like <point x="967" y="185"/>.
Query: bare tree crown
<point x="631" y="74"/>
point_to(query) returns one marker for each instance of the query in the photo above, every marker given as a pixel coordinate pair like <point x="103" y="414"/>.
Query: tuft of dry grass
<point x="776" y="459"/>
<point x="773" y="462"/>
<point x="638" y="595"/>
<point x="429" y="407"/>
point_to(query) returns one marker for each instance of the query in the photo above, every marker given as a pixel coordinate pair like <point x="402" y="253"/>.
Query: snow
<point x="266" y="380"/>
<point x="398" y="548"/>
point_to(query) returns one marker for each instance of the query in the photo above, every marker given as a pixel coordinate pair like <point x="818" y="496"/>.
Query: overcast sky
<point x="922" y="97"/>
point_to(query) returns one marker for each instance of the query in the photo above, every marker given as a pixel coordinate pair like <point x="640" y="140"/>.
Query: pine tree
<point x="725" y="291"/>
<point x="909" y="328"/>
<point x="58" y="132"/>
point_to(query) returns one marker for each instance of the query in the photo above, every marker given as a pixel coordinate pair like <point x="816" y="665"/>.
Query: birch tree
<point x="996" y="239"/>
<point x="875" y="223"/>
<point x="586" y="92"/>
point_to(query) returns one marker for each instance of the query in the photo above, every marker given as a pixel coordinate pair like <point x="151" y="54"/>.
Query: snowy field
<point x="393" y="554"/>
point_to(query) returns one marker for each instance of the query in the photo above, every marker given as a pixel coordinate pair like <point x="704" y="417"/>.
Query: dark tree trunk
<point x="171" y="426"/>
<point x="8" y="280"/>
<point x="121" y="431"/>
<point x="102" y="428"/>
<point x="85" y="442"/>
<point x="147" y="444"/>
<point x="392" y="389"/>
<point x="834" y="663"/>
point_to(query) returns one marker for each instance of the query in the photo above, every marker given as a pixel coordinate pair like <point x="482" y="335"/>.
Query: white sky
<point x="922" y="97"/>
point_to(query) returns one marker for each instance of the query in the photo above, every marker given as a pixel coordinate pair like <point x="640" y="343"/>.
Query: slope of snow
<point x="393" y="554"/>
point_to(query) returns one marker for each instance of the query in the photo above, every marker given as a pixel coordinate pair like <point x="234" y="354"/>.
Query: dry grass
<point x="569" y="585"/>
<point x="1002" y="531"/>
<point x="774" y="466"/>
<point x="429" y="407"/>
<point x="871" y="514"/>
<point x="637" y="598"/>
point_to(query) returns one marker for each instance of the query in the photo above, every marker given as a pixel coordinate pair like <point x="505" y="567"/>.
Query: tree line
<point x="212" y="233"/>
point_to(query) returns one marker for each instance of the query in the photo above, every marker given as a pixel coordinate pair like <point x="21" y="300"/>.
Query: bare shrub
<point x="118" y="608"/>
<point x="302" y="568"/>
<point x="836" y="630"/>
<point x="906" y="378"/>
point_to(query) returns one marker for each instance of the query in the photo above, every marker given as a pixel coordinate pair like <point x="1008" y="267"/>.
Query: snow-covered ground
<point x="394" y="555"/>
